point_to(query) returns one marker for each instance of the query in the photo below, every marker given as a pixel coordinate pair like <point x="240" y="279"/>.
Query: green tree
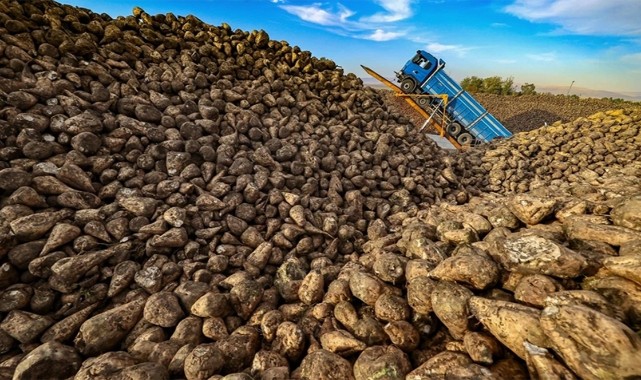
<point x="507" y="86"/>
<point x="528" y="89"/>
<point x="472" y="84"/>
<point x="493" y="85"/>
<point x="490" y="85"/>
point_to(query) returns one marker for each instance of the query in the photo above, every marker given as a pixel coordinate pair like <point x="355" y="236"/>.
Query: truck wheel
<point x="454" y="129"/>
<point x="423" y="102"/>
<point x="465" y="139"/>
<point x="408" y="85"/>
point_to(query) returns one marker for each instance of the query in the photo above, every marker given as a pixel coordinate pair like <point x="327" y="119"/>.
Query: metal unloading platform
<point x="409" y="98"/>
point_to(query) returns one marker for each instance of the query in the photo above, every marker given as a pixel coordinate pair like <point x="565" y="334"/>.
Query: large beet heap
<point x="561" y="154"/>
<point x="190" y="201"/>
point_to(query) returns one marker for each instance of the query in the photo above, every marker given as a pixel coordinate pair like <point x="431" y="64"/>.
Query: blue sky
<point x="596" y="43"/>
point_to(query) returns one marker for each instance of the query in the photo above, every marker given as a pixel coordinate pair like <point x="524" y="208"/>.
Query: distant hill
<point x="583" y="92"/>
<point x="589" y="93"/>
<point x="375" y="83"/>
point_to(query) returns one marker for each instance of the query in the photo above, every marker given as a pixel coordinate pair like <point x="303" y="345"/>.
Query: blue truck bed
<point x="469" y="122"/>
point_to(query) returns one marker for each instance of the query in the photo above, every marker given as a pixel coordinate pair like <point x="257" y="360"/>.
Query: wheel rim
<point x="454" y="129"/>
<point x="465" y="139"/>
<point x="422" y="101"/>
<point x="407" y="86"/>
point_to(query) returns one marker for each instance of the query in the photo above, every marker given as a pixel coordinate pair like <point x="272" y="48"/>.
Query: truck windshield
<point x="422" y="62"/>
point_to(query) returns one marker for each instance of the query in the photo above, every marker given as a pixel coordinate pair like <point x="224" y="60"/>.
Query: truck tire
<point x="465" y="139"/>
<point x="423" y="101"/>
<point x="454" y="129"/>
<point x="408" y="85"/>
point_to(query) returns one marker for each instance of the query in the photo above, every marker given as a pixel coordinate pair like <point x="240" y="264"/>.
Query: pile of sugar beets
<point x="179" y="200"/>
<point x="561" y="154"/>
<point x="521" y="113"/>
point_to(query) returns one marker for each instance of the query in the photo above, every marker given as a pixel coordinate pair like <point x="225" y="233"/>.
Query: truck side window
<point x="426" y="65"/>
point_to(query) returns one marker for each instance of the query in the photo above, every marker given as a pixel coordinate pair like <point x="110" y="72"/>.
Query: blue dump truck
<point x="462" y="117"/>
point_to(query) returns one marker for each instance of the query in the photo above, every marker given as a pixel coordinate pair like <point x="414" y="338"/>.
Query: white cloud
<point x="338" y="19"/>
<point x="418" y="38"/>
<point x="395" y="10"/>
<point x="543" y="57"/>
<point x="344" y="13"/>
<point x="585" y="17"/>
<point x="499" y="25"/>
<point x="314" y="14"/>
<point x="277" y="1"/>
<point x="437" y="48"/>
<point x="506" y="61"/>
<point x="381" y="35"/>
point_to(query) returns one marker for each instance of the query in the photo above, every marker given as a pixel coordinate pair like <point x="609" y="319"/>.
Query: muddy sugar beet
<point x="159" y="173"/>
<point x="179" y="200"/>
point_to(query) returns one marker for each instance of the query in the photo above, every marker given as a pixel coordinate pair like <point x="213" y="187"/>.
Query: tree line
<point x="496" y="85"/>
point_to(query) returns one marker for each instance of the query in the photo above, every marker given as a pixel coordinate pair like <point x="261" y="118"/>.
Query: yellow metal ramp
<point x="410" y="100"/>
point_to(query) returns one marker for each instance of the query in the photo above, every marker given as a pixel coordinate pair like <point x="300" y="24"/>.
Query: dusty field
<point x="185" y="201"/>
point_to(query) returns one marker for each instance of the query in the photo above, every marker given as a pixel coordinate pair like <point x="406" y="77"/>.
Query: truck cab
<point x="417" y="70"/>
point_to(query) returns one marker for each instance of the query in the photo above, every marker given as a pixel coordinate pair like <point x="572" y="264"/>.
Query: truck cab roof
<point x="426" y="61"/>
